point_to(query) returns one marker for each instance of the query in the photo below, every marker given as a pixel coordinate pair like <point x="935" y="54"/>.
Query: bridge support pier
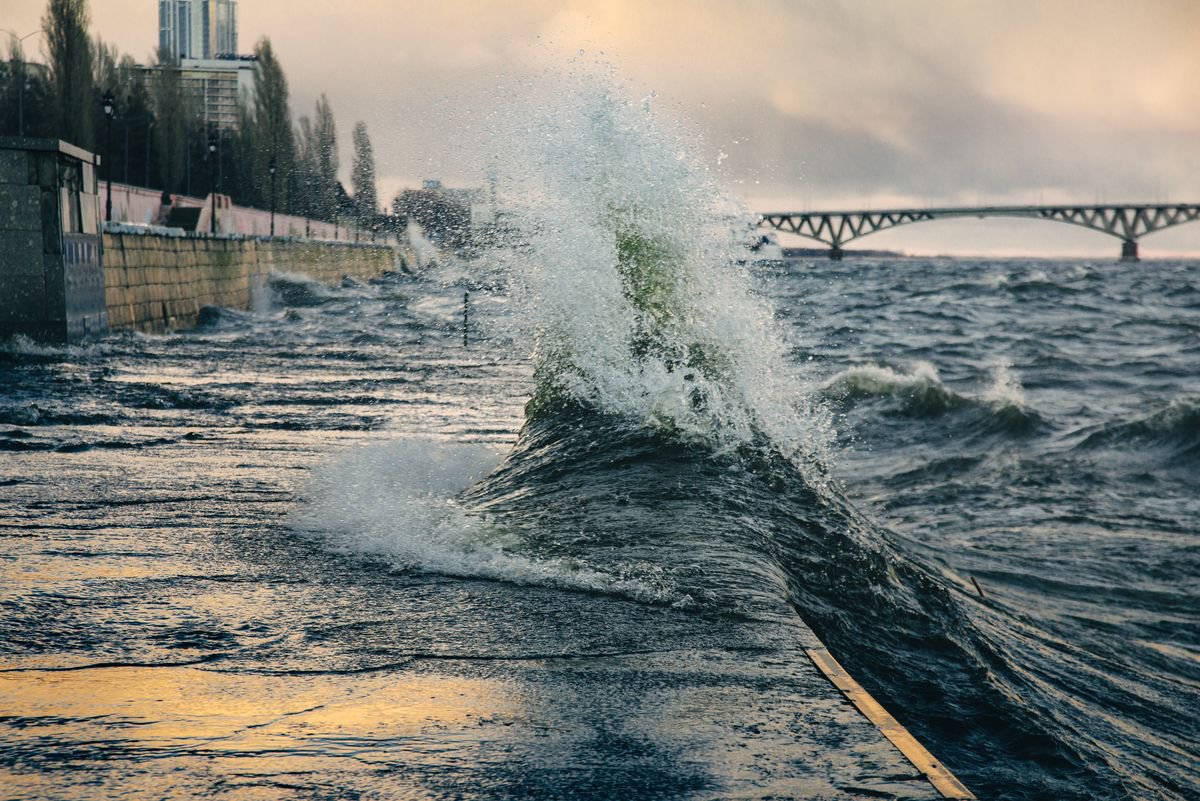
<point x="1129" y="250"/>
<point x="835" y="253"/>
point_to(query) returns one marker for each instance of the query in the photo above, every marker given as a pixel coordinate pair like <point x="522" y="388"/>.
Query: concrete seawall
<point x="66" y="276"/>
<point x="153" y="282"/>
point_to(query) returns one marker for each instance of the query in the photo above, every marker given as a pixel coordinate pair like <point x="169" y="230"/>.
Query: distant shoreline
<point x="802" y="253"/>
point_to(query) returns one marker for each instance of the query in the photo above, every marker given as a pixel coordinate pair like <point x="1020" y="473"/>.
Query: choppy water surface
<point x="326" y="550"/>
<point x="1035" y="426"/>
<point x="242" y="500"/>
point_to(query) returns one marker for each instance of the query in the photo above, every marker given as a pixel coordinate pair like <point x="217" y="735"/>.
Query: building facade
<point x="216" y="84"/>
<point x="198" y="29"/>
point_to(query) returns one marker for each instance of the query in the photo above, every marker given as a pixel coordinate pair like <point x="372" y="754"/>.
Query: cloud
<point x="930" y="100"/>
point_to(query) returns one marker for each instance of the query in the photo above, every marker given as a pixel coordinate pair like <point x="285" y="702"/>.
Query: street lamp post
<point x="308" y="182"/>
<point x="146" y="152"/>
<point x="109" y="108"/>
<point x="272" y="168"/>
<point x="16" y="49"/>
<point x="125" y="128"/>
<point x="212" y="180"/>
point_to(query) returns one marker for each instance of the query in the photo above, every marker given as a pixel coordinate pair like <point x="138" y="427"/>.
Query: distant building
<point x="448" y="216"/>
<point x="202" y="37"/>
<point x="198" y="29"/>
<point x="216" y="84"/>
<point x="466" y="198"/>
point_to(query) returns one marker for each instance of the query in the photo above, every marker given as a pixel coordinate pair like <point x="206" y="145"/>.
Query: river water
<point x="325" y="549"/>
<point x="1034" y="426"/>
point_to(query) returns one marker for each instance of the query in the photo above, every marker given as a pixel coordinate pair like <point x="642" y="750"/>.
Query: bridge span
<point x="1126" y="222"/>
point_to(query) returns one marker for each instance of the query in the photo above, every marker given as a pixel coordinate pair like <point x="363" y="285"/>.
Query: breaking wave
<point x="672" y="451"/>
<point x="919" y="392"/>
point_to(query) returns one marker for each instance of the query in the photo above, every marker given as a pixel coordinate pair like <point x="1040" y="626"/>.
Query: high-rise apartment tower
<point x="198" y="28"/>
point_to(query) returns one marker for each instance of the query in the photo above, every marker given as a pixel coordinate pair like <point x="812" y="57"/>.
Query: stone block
<point x="22" y="299"/>
<point x="15" y="167"/>
<point x="20" y="208"/>
<point x="21" y="252"/>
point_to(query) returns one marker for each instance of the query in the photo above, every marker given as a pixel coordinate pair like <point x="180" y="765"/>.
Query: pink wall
<point x="134" y="204"/>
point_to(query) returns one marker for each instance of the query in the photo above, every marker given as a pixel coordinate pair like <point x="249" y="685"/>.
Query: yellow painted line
<point x="941" y="778"/>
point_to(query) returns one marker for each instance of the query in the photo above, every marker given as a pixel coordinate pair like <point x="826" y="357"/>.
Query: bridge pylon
<point x="1129" y="250"/>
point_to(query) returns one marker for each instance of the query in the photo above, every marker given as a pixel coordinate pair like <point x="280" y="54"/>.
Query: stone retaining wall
<point x="155" y="282"/>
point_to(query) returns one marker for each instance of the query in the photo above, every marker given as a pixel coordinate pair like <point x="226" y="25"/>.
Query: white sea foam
<point x="21" y="345"/>
<point x="395" y="499"/>
<point x="576" y="166"/>
<point x="425" y="251"/>
<point x="1005" y="389"/>
<point x="585" y="169"/>
<point x="395" y="502"/>
<point x="874" y="379"/>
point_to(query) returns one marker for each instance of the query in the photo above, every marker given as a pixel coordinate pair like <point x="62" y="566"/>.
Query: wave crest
<point x="1175" y="428"/>
<point x="628" y="280"/>
<point x="920" y="393"/>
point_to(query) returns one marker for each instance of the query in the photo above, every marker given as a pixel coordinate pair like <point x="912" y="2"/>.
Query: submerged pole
<point x="466" y="316"/>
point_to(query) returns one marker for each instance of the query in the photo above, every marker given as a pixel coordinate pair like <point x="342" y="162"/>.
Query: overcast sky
<point x="815" y="104"/>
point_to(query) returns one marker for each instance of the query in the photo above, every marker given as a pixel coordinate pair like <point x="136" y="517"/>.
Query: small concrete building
<point x="51" y="274"/>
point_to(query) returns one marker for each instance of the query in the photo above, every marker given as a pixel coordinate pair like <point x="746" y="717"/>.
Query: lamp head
<point x="109" y="103"/>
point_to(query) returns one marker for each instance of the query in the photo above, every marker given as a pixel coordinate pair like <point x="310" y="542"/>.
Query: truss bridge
<point x="1125" y="222"/>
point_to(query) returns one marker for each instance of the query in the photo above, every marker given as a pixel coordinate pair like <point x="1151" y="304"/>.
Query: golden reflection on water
<point x="58" y="568"/>
<point x="153" y="723"/>
<point x="165" y="707"/>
